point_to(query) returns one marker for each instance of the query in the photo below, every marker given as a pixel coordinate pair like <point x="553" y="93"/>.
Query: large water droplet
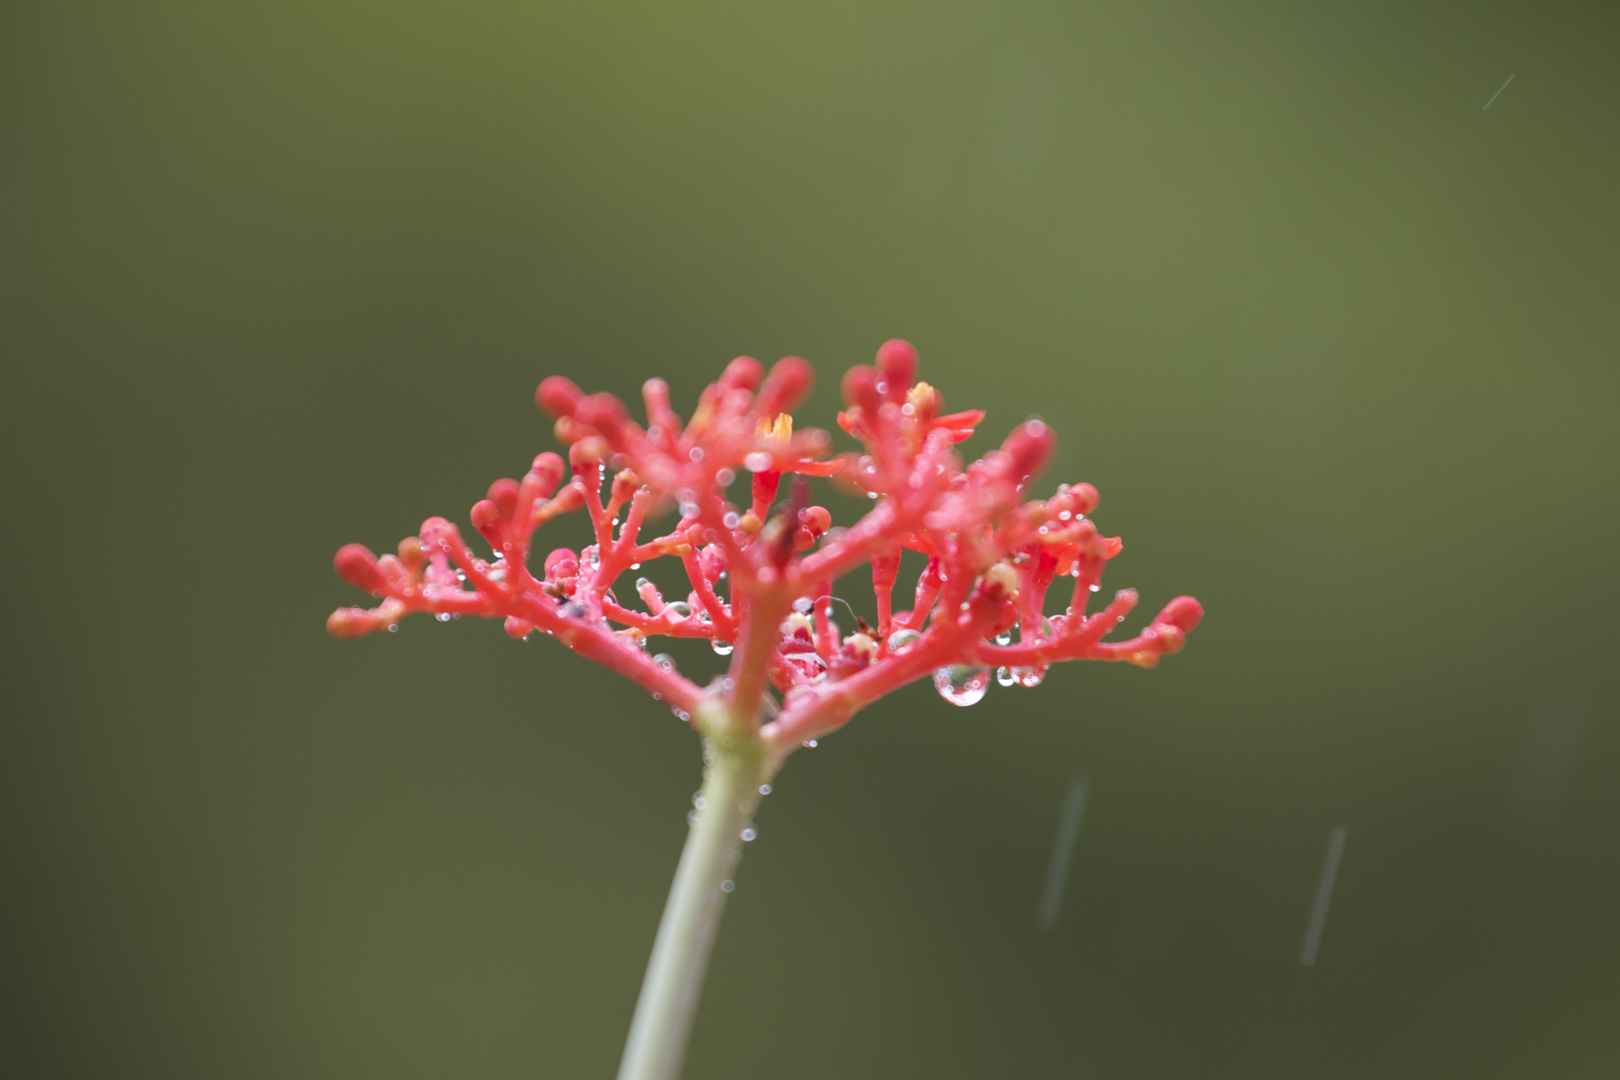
<point x="1004" y="638"/>
<point x="902" y="639"/>
<point x="665" y="661"/>
<point x="1004" y="677"/>
<point x="679" y="609"/>
<point x="721" y="648"/>
<point x="748" y="834"/>
<point x="962" y="685"/>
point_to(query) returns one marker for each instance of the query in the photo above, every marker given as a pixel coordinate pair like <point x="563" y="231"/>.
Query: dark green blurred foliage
<point x="1336" y="343"/>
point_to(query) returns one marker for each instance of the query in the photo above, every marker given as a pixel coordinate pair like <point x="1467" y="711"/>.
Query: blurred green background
<point x="1336" y="343"/>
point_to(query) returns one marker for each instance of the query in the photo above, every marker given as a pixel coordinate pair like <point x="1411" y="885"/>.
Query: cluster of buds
<point x="762" y="571"/>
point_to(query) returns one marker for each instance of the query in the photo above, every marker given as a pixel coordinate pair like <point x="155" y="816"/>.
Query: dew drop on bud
<point x="758" y="461"/>
<point x="665" y="661"/>
<point x="764" y="789"/>
<point x="810" y="744"/>
<point x="1003" y="638"/>
<point x="721" y="648"/>
<point x="748" y="834"/>
<point x="902" y="639"/>
<point x="960" y="684"/>
<point x="1004" y="677"/>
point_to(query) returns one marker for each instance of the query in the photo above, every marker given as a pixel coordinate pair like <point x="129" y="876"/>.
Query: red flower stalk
<point x="762" y="574"/>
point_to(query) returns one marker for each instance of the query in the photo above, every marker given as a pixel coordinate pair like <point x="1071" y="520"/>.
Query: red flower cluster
<point x="992" y="557"/>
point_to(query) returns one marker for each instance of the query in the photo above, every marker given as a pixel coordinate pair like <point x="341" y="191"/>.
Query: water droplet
<point x="696" y="453"/>
<point x="758" y="461"/>
<point x="1030" y="677"/>
<point x="724" y="477"/>
<point x="443" y="616"/>
<point x="802" y="605"/>
<point x="960" y="684"/>
<point x="679" y="609"/>
<point x="871" y="494"/>
<point x="572" y="610"/>
<point x="698" y="801"/>
<point x="692" y="819"/>
<point x="642" y="583"/>
<point x="1064" y="515"/>
<point x="727" y="885"/>
<point x="1005" y="677"/>
<point x="764" y="789"/>
<point x="665" y="661"/>
<point x="393" y="628"/>
<point x="902" y="639"/>
<point x="721" y="648"/>
<point x="1095" y="587"/>
<point x="731" y="520"/>
<point x="1004" y="638"/>
<point x="810" y="743"/>
<point x="681" y="714"/>
<point x="748" y="834"/>
<point x="635" y="566"/>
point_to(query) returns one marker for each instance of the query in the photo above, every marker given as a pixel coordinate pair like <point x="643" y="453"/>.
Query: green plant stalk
<point x="734" y="768"/>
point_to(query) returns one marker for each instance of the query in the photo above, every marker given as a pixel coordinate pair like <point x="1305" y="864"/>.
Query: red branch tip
<point x="762" y="570"/>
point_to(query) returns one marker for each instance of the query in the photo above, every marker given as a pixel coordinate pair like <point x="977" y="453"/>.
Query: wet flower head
<point x="763" y="572"/>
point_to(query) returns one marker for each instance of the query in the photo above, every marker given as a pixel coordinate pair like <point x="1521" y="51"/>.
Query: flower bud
<point x="1000" y="582"/>
<point x="1030" y="447"/>
<point x="561" y="563"/>
<point x="485" y="516"/>
<point x="410" y="552"/>
<point x="518" y="628"/>
<point x="504" y="494"/>
<point x="1183" y="612"/>
<point x="587" y="451"/>
<point x="349" y="622"/>
<point x="624" y="485"/>
<point x="558" y="396"/>
<point x="356" y="564"/>
<point x="741" y="374"/>
<point x="789" y="381"/>
<point x="860" y="390"/>
<point x="897" y="362"/>
<point x="546" y="472"/>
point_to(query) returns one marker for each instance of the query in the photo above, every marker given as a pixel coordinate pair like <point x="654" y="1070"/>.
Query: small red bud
<point x="790" y="380"/>
<point x="349" y="622"/>
<point x="624" y="485"/>
<point x="587" y="451"/>
<point x="860" y="390"/>
<point x="548" y="469"/>
<point x="560" y="564"/>
<point x="410" y="552"/>
<point x="504" y="494"/>
<point x="897" y="361"/>
<point x="741" y="374"/>
<point x="356" y="564"/>
<point x="1030" y="446"/>
<point x="484" y="515"/>
<point x="1183" y="612"/>
<point x="818" y="519"/>
<point x="558" y="396"/>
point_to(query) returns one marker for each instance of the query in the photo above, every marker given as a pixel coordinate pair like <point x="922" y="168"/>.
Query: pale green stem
<point x="734" y="768"/>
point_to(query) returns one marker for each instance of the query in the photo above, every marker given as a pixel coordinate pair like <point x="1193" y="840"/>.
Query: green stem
<point x="734" y="768"/>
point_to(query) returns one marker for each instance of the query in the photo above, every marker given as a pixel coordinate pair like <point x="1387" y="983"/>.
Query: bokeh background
<point x="1336" y="342"/>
